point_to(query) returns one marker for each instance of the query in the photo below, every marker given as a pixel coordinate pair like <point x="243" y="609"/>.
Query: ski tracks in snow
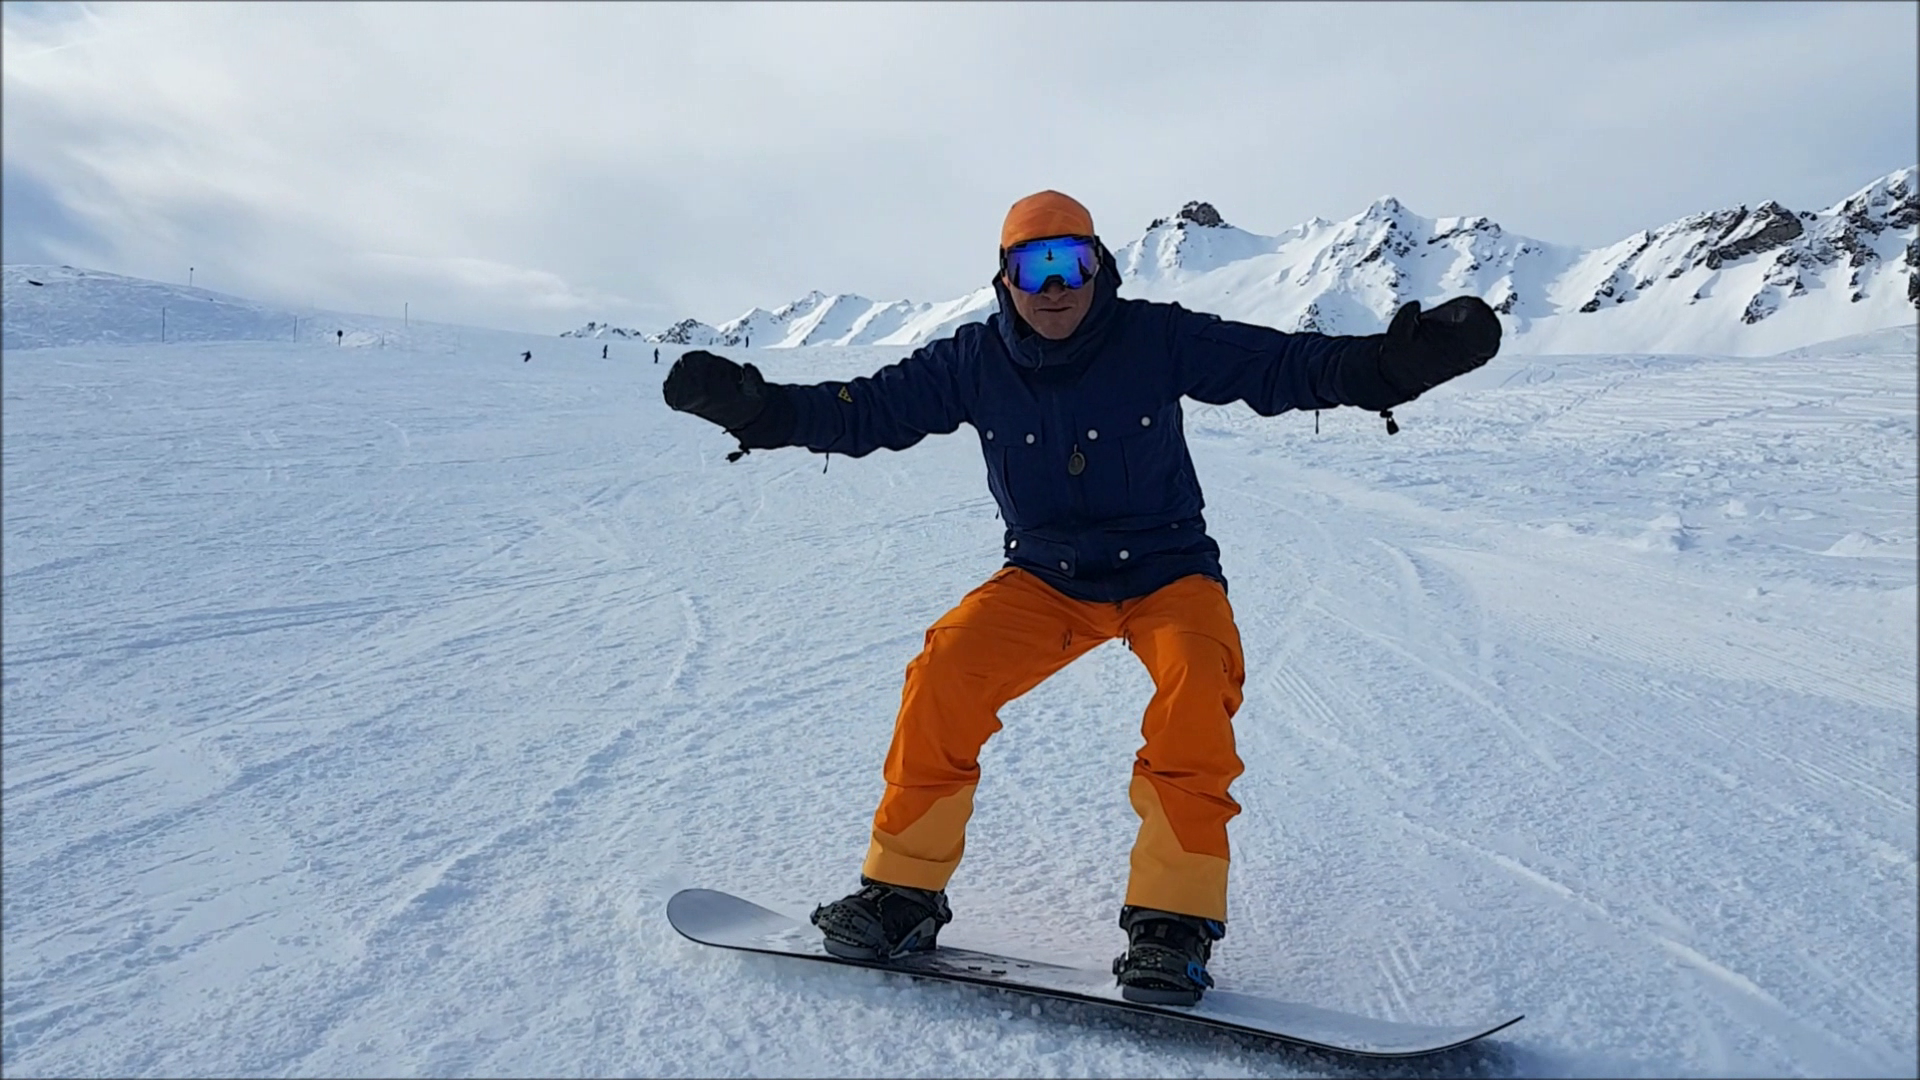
<point x="360" y="719"/>
<point x="1509" y="705"/>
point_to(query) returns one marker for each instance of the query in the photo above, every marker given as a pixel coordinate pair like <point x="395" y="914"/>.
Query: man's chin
<point x="1056" y="331"/>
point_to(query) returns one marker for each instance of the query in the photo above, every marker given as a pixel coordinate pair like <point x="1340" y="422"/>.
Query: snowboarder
<point x="1075" y="396"/>
<point x="526" y="356"/>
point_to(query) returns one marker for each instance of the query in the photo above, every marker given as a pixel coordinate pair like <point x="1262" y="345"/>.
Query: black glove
<point x="715" y="389"/>
<point x="1421" y="351"/>
<point x="719" y="391"/>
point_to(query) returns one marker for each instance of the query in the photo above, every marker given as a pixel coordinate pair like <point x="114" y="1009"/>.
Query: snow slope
<point x="47" y="306"/>
<point x="1741" y="281"/>
<point x="363" y="706"/>
<point x="57" y="305"/>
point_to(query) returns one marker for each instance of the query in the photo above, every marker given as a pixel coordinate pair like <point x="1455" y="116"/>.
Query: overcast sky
<point x="535" y="166"/>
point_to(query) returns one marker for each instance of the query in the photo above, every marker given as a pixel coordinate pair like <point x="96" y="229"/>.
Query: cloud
<point x="508" y="163"/>
<point x="36" y="225"/>
<point x="486" y="281"/>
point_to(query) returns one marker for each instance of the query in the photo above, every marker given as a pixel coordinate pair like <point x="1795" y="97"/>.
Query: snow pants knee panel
<point x="1005" y="638"/>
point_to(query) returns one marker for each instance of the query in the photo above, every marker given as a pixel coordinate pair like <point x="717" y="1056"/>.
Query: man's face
<point x="1055" y="311"/>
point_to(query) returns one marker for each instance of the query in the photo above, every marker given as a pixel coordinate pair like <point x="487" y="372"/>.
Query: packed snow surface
<point x="367" y="694"/>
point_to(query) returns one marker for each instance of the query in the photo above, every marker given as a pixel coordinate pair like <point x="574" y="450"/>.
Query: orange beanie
<point x="1043" y="214"/>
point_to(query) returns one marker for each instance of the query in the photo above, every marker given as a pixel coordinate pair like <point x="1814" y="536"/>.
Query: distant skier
<point x="339" y="337"/>
<point x="603" y="352"/>
<point x="1075" y="395"/>
<point x="656" y="355"/>
<point x="526" y="356"/>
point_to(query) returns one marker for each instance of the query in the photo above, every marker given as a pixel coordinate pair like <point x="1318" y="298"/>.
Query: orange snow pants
<point x="1003" y="639"/>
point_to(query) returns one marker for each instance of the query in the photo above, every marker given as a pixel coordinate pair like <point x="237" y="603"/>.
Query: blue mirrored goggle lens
<point x="1072" y="259"/>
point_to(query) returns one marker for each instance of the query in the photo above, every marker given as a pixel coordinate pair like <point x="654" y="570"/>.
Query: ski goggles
<point x="1029" y="266"/>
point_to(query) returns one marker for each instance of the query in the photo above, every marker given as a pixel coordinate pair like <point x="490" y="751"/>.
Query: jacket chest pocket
<point x="1018" y="476"/>
<point x="1135" y="463"/>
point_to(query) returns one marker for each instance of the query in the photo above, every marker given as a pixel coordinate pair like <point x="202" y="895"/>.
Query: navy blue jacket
<point x="1128" y="521"/>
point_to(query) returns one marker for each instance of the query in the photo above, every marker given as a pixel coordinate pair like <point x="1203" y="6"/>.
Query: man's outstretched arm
<point x="893" y="408"/>
<point x="1222" y="361"/>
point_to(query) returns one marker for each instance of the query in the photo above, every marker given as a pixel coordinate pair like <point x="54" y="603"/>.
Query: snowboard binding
<point x="1166" y="958"/>
<point x="882" y="922"/>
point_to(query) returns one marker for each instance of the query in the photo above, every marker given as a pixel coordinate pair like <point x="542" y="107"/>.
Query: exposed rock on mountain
<point x="1197" y="213"/>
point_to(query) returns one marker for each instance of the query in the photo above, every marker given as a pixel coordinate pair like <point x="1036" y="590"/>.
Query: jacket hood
<point x="1030" y="350"/>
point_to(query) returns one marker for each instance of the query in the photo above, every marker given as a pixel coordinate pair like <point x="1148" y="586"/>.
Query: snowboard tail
<point x="728" y="922"/>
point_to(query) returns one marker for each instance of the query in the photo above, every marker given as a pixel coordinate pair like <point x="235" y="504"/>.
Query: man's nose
<point x="1053" y="289"/>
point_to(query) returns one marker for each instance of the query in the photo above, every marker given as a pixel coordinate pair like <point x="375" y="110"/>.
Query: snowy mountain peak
<point x="600" y="330"/>
<point x="1385" y="207"/>
<point x="1742" y="280"/>
<point x="1194" y="240"/>
<point x="791" y="309"/>
<point x="1893" y="200"/>
<point x="684" y="332"/>
<point x="1197" y="213"/>
<point x="1700" y="283"/>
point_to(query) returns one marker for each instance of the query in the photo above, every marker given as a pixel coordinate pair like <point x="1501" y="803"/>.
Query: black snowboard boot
<point x="1166" y="958"/>
<point x="882" y="922"/>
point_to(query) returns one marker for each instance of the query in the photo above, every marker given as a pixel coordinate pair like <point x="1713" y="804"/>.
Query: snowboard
<point x="728" y="922"/>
